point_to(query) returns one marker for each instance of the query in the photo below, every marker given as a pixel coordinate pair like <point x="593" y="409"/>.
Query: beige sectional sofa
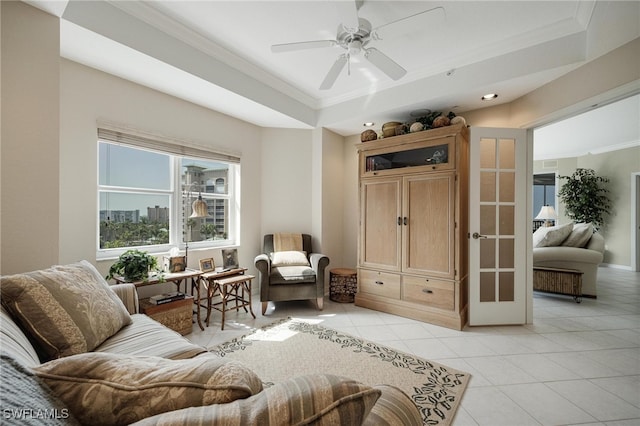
<point x="570" y="246"/>
<point x="74" y="350"/>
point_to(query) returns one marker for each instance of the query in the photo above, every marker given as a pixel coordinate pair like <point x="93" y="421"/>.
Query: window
<point x="145" y="198"/>
<point x="544" y="194"/>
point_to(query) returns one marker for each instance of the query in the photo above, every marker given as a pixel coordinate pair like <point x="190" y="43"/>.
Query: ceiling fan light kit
<point x="356" y="41"/>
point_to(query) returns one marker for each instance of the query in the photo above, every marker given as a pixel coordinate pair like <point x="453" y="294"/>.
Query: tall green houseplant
<point x="584" y="197"/>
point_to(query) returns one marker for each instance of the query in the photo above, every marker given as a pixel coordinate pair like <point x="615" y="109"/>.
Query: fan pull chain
<point x="348" y="64"/>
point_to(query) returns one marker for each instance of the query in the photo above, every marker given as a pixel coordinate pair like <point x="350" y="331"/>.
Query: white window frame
<point x="176" y="221"/>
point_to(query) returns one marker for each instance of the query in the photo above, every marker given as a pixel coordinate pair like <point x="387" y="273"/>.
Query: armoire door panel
<point x="428" y="234"/>
<point x="380" y="230"/>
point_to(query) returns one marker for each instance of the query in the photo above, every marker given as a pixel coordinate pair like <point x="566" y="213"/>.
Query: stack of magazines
<point x="166" y="298"/>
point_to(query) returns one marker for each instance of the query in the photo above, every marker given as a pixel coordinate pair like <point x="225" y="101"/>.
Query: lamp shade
<point x="199" y="208"/>
<point x="546" y="213"/>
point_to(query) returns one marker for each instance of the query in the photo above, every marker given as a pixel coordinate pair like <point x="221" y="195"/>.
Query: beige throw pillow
<point x="318" y="399"/>
<point x="580" y="235"/>
<point x="289" y="258"/>
<point x="111" y="389"/>
<point x="551" y="236"/>
<point x="66" y="309"/>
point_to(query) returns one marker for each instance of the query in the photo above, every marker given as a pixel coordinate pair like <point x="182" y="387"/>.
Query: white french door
<point x="498" y="226"/>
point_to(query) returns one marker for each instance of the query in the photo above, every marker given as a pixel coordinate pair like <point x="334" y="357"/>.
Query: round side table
<point x="343" y="284"/>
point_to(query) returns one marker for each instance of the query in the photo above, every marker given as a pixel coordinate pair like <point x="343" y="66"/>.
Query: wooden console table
<point x="559" y="281"/>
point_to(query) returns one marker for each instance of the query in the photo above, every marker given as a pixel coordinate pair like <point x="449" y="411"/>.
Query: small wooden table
<point x="176" y="278"/>
<point x="232" y="286"/>
<point x="560" y="281"/>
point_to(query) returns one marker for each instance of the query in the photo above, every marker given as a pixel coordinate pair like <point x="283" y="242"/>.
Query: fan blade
<point x="418" y="21"/>
<point x="384" y="63"/>
<point x="302" y="45"/>
<point x="334" y="72"/>
<point x="348" y="13"/>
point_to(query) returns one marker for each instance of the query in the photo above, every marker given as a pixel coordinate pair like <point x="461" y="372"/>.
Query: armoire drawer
<point x="379" y="283"/>
<point x="428" y="291"/>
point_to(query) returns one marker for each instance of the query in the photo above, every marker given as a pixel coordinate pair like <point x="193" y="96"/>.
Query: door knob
<point x="476" y="236"/>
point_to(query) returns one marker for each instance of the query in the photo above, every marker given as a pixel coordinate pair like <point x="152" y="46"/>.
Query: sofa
<point x="570" y="246"/>
<point x="74" y="350"/>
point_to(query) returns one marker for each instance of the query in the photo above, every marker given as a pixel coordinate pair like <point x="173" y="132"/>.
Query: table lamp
<point x="547" y="213"/>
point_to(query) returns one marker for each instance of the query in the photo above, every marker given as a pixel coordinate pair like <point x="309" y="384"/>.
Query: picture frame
<point x="230" y="258"/>
<point x="207" y="265"/>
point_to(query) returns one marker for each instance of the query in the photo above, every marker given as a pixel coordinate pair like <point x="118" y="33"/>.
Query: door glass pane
<point x="487" y="186"/>
<point x="507" y="186"/>
<point x="487" y="153"/>
<point x="507" y="217"/>
<point x="506" y="287"/>
<point x="506" y="252"/>
<point x="507" y="154"/>
<point x="488" y="220"/>
<point x="488" y="253"/>
<point x="487" y="286"/>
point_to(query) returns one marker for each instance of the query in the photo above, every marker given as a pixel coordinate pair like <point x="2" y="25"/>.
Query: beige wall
<point x="617" y="166"/>
<point x="332" y="195"/>
<point x="351" y="201"/>
<point x="30" y="138"/>
<point x="285" y="180"/>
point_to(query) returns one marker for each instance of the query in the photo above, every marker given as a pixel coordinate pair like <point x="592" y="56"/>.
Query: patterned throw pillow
<point x="551" y="236"/>
<point x="66" y="310"/>
<point x="113" y="389"/>
<point x="318" y="399"/>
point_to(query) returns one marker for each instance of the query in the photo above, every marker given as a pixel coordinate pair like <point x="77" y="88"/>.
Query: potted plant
<point x="134" y="265"/>
<point x="584" y="197"/>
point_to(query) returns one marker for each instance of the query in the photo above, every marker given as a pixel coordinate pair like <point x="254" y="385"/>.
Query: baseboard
<point x="614" y="266"/>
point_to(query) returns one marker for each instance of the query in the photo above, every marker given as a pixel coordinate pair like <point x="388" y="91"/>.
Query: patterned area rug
<point x="293" y="347"/>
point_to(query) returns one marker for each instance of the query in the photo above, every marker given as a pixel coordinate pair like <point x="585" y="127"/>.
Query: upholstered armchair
<point x="289" y="270"/>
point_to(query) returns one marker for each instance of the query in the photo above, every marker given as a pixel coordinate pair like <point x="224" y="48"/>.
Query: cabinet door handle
<point x="399" y="220"/>
<point x="426" y="290"/>
<point x="379" y="282"/>
<point x="405" y="221"/>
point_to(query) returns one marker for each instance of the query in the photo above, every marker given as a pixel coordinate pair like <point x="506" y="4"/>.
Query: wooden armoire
<point x="413" y="246"/>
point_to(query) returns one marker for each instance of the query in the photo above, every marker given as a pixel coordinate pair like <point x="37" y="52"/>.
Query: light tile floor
<point x="576" y="364"/>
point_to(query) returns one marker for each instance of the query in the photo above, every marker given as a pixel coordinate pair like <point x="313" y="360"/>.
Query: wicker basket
<point x="343" y="284"/>
<point x="561" y="281"/>
<point x="176" y="315"/>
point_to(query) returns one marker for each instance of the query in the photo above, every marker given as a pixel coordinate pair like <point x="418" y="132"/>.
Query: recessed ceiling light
<point x="489" y="96"/>
<point x="369" y="124"/>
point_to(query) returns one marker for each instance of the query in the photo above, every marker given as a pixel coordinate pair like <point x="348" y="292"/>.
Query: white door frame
<point x="635" y="221"/>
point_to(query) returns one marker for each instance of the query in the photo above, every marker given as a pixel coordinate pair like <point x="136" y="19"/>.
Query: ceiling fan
<point x="354" y="36"/>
